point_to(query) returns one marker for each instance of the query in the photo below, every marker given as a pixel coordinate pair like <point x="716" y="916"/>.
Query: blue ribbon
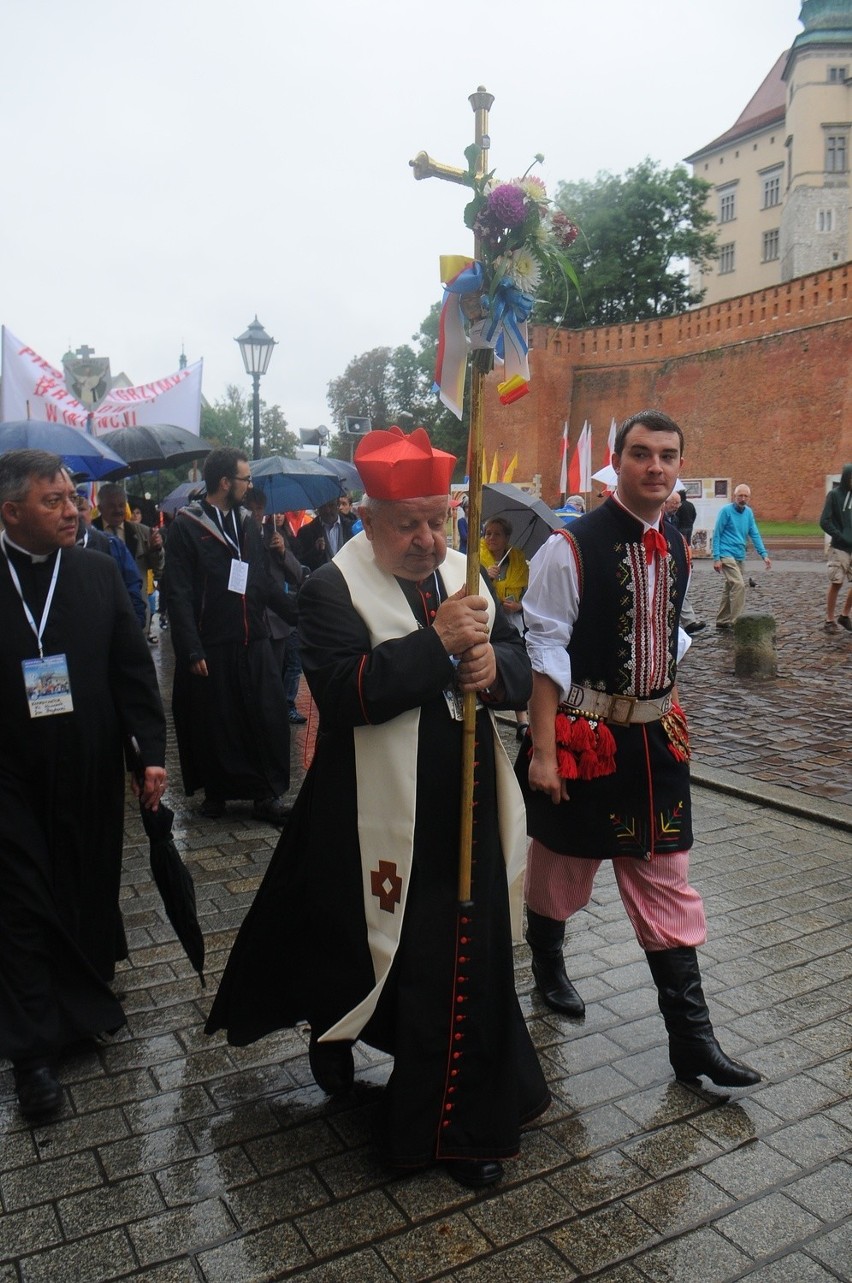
<point x="509" y="308"/>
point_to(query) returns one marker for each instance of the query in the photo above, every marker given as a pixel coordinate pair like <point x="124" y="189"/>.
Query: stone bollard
<point x="754" y="646"/>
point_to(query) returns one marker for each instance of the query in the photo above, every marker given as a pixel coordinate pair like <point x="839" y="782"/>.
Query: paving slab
<point x="175" y="1157"/>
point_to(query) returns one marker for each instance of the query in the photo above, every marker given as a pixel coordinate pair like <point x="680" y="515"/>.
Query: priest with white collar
<point x="76" y="682"/>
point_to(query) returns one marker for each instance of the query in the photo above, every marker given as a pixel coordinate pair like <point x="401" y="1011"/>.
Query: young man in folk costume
<point x="356" y="927"/>
<point x="607" y="776"/>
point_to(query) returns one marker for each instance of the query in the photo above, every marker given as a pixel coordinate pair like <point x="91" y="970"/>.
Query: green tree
<point x="228" y="422"/>
<point x="394" y="385"/>
<point x="636" y="232"/>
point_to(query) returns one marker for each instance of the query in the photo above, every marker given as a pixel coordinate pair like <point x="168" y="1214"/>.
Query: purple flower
<point x="506" y="205"/>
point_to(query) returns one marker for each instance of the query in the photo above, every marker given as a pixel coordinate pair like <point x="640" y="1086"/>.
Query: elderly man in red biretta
<point x="356" y="927"/>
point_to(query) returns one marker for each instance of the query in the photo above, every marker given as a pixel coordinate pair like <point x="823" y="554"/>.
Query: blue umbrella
<point x="83" y="455"/>
<point x="347" y="472"/>
<point x="181" y="496"/>
<point x="293" y="484"/>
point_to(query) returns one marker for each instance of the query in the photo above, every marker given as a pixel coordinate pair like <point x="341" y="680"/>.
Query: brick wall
<point x="760" y="384"/>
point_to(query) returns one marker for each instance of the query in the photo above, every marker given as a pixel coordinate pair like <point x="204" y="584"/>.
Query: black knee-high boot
<point x="546" y="936"/>
<point x="693" y="1049"/>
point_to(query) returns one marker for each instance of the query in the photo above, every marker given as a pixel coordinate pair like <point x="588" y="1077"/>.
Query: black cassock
<point x="62" y="800"/>
<point x="232" y="726"/>
<point x="465" y="1074"/>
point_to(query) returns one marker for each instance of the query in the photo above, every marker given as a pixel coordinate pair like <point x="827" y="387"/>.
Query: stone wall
<point x="760" y="384"/>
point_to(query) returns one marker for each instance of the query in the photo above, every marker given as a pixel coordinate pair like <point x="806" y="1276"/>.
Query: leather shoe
<point x="212" y="808"/>
<point x="474" y="1174"/>
<point x="273" y="810"/>
<point x="332" y="1066"/>
<point x="38" y="1090"/>
<point x="695" y="627"/>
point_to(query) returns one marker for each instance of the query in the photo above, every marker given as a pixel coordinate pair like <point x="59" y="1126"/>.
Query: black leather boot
<point x="693" y="1049"/>
<point x="546" y="936"/>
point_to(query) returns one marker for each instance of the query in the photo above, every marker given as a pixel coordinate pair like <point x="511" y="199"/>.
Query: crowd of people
<point x="357" y="928"/>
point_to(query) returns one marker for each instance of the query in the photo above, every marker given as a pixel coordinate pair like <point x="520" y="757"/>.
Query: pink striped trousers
<point x="664" y="910"/>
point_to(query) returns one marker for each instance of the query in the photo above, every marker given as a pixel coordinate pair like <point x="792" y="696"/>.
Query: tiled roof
<point x="766" y="107"/>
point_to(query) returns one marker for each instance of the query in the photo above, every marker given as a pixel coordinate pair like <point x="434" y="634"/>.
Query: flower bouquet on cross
<point x="521" y="241"/>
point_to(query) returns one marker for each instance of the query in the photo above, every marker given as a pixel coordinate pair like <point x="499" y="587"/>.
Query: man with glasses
<point x="735" y="525"/>
<point x="229" y="705"/>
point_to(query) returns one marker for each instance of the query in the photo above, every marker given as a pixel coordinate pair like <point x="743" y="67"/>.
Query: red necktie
<point x="654" y="541"/>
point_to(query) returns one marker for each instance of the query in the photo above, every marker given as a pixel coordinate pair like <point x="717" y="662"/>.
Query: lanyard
<point x="235" y="544"/>
<point x="38" y="632"/>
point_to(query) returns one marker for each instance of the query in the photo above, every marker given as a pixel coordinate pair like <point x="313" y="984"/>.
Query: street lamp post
<point x="256" y="348"/>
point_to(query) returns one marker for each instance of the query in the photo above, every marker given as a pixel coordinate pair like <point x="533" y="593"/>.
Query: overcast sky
<point x="174" y="167"/>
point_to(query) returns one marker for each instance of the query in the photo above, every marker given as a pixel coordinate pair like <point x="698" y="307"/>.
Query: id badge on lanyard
<point x="238" y="574"/>
<point x="47" y="684"/>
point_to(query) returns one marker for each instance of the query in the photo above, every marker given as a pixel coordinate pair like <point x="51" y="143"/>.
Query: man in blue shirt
<point x="735" y="525"/>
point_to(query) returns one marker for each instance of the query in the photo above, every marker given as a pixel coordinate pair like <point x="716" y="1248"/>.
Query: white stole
<point x="386" y="774"/>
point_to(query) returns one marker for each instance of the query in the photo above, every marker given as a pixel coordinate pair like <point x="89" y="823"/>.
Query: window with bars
<point x="726" y="258"/>
<point x="770" y="245"/>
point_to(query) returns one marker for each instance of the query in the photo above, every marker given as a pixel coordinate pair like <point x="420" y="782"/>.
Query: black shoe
<point x="475" y="1175"/>
<point x="545" y="937"/>
<point x="296" y="718"/>
<point x="332" y="1066"/>
<point x="272" y="810"/>
<point x="690" y="1058"/>
<point x="724" y="628"/>
<point x="212" y="808"/>
<point x="695" y="627"/>
<point x="38" y="1090"/>
<point x="521" y="732"/>
<point x="845" y="622"/>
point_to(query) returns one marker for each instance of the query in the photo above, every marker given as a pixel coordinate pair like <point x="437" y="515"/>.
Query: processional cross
<point x="425" y="167"/>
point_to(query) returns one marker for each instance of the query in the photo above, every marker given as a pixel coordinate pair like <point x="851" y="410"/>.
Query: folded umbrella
<point x="87" y="457"/>
<point x="174" y="882"/>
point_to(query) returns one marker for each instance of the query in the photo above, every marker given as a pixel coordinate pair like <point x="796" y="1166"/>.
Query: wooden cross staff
<point x="425" y="167"/>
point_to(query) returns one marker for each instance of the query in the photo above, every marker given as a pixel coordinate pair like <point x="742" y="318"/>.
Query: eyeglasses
<point x="246" y="477"/>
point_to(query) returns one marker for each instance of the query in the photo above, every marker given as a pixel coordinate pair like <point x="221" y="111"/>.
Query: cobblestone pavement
<point x="176" y="1157"/>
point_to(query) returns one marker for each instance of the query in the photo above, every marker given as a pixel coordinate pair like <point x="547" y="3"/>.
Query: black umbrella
<point x="161" y="445"/>
<point x="531" y="520"/>
<point x="174" y="882"/>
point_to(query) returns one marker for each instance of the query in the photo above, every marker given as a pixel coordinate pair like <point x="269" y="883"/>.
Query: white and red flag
<point x="580" y="470"/>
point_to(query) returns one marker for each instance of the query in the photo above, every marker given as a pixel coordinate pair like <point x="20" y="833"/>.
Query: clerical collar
<point x="35" y="557"/>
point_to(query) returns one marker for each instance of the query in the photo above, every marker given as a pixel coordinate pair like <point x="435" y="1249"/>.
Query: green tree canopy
<point x="394" y="385"/>
<point x="228" y="422"/>
<point x="636" y="232"/>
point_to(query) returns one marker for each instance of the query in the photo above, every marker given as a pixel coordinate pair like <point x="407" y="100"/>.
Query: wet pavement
<point x="175" y="1157"/>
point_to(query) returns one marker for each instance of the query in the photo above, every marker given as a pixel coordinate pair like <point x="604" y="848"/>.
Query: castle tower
<point x="815" y="223"/>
